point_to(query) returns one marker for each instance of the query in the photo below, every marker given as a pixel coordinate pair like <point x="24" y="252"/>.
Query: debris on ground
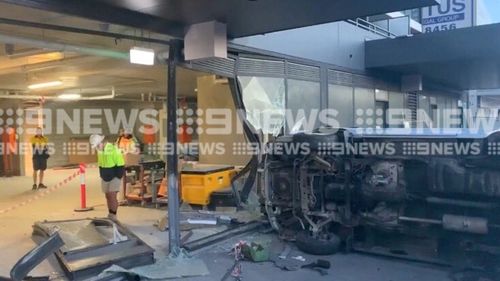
<point x="222" y="235"/>
<point x="186" y="237"/>
<point x="256" y="251"/>
<point x="235" y="270"/>
<point x="286" y="251"/>
<point x="320" y="266"/>
<point x="182" y="266"/>
<point x="162" y="224"/>
<point x="92" y="245"/>
<point x="299" y="258"/>
<point x="194" y="220"/>
<point x="287" y="264"/>
<point x="35" y="257"/>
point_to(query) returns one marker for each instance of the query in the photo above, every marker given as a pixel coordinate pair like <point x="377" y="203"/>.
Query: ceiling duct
<point x="38" y="97"/>
<point x="61" y="47"/>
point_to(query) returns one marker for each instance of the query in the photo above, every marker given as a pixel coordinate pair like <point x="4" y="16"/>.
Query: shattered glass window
<point x="264" y="99"/>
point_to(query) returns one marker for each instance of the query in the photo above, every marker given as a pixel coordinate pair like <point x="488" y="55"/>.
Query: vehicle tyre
<point x="317" y="246"/>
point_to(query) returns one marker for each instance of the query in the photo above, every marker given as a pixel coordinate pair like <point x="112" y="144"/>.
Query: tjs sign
<point x="450" y="14"/>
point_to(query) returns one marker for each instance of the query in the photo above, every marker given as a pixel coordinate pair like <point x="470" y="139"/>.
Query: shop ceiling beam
<point x="77" y="30"/>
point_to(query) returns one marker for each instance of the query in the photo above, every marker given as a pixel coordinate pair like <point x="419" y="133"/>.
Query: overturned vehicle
<point x="423" y="195"/>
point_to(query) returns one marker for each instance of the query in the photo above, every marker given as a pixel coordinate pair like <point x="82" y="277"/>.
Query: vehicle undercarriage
<point x="427" y="197"/>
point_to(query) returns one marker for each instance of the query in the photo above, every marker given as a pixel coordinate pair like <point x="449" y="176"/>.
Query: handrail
<point x="359" y="22"/>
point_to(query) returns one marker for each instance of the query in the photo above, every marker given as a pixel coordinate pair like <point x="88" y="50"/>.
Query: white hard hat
<point x="95" y="140"/>
<point x="127" y="131"/>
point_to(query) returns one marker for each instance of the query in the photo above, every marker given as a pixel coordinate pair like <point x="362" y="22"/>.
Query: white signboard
<point x="451" y="14"/>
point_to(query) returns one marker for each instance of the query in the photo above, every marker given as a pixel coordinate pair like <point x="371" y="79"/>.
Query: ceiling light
<point x="45" y="85"/>
<point x="69" y="96"/>
<point x="142" y="56"/>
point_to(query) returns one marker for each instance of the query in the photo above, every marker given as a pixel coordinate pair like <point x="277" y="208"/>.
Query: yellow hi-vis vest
<point x="110" y="157"/>
<point x="111" y="162"/>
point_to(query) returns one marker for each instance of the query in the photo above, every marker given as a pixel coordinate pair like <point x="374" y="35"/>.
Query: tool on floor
<point x="83" y="191"/>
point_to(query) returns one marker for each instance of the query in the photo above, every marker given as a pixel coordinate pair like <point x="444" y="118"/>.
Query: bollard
<point x="83" y="192"/>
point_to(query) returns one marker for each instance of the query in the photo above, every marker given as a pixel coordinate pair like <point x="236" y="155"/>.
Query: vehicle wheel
<point x="318" y="246"/>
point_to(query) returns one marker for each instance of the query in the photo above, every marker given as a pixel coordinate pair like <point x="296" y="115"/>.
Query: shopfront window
<point x="304" y="103"/>
<point x="424" y="115"/>
<point x="364" y="108"/>
<point x="264" y="99"/>
<point x="341" y="99"/>
<point x="398" y="112"/>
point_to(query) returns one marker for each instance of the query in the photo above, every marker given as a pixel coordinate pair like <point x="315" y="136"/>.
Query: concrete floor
<point x="15" y="227"/>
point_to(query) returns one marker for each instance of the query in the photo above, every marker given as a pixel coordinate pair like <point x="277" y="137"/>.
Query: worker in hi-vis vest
<point x="111" y="168"/>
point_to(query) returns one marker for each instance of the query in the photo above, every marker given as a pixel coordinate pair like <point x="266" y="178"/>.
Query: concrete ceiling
<point x="23" y="64"/>
<point x="243" y="17"/>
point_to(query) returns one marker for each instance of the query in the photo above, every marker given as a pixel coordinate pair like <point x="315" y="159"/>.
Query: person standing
<point x="111" y="168"/>
<point x="127" y="142"/>
<point x="9" y="142"/>
<point x="40" y="155"/>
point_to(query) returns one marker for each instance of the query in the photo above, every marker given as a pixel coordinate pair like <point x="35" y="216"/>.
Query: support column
<point x="172" y="158"/>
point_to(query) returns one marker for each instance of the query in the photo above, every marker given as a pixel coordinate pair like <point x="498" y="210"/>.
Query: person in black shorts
<point x="40" y="155"/>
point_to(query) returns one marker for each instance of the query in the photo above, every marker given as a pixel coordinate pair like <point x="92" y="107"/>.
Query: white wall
<point x="338" y="43"/>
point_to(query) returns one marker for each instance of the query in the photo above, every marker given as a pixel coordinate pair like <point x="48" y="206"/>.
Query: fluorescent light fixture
<point x="45" y="85"/>
<point x="142" y="56"/>
<point x="69" y="96"/>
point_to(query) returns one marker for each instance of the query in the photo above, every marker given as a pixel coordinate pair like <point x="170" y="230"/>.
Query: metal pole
<point x="172" y="159"/>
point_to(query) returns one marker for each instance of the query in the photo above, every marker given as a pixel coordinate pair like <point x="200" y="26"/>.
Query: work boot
<point x="34" y="187"/>
<point x="42" y="185"/>
<point x="112" y="217"/>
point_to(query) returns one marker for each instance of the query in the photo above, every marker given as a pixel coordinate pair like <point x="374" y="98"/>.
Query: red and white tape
<point x="46" y="192"/>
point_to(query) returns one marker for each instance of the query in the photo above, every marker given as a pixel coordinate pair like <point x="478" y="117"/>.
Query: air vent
<point x="303" y="72"/>
<point x="340" y="78"/>
<point x="412" y="104"/>
<point x="259" y="67"/>
<point x="363" y="81"/>
<point x="223" y="67"/>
